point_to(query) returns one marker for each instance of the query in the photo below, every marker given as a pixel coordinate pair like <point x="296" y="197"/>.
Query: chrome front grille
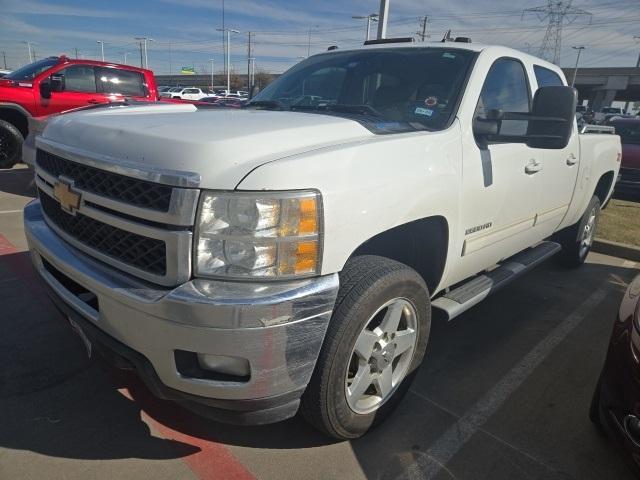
<point x="134" y="224"/>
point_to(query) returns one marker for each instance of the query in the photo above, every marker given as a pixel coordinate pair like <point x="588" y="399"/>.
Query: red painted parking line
<point x="6" y="247"/>
<point x="213" y="461"/>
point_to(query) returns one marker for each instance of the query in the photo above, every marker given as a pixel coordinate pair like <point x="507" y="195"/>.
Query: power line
<point x="557" y="12"/>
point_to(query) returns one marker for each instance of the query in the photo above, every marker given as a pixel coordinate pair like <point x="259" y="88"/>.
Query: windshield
<point x="388" y="90"/>
<point x="629" y="134"/>
<point x="31" y="71"/>
<point x="176" y="89"/>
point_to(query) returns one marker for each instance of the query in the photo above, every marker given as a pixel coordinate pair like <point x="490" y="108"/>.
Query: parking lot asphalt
<point x="503" y="393"/>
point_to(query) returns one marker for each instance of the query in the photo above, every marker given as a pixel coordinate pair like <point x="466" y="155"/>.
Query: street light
<point x="575" y="70"/>
<point x="125" y="56"/>
<point x="228" y="31"/>
<point x="372" y="17"/>
<point x="101" y="48"/>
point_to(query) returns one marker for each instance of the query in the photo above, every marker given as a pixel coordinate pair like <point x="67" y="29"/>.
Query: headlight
<point x="258" y="234"/>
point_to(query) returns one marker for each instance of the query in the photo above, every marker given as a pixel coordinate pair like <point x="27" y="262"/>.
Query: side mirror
<point x="45" y="89"/>
<point x="552" y="116"/>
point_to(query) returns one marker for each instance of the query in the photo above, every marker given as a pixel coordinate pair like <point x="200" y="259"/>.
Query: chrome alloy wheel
<point x="589" y="231"/>
<point x="381" y="355"/>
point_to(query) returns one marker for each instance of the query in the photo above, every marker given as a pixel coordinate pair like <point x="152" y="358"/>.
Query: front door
<point x="501" y="181"/>
<point x="74" y="86"/>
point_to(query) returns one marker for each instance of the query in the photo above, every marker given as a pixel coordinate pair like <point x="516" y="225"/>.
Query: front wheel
<point x="10" y="145"/>
<point x="374" y="345"/>
<point x="577" y="240"/>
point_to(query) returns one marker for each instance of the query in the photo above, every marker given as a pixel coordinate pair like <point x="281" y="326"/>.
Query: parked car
<point x="292" y="259"/>
<point x="616" y="401"/>
<point x="56" y="84"/>
<point x="629" y="178"/>
<point x="163" y="89"/>
<point x="4" y="72"/>
<point x="607" y="113"/>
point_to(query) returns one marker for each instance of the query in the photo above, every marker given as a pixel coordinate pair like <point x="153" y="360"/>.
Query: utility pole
<point x="382" y="19"/>
<point x="558" y="13"/>
<point x="423" y="34"/>
<point x="211" y="60"/>
<point x="224" y="39"/>
<point x="4" y="59"/>
<point x="101" y="48"/>
<point x="170" y="60"/>
<point x="626" y="104"/>
<point x="309" y="43"/>
<point x="30" y="52"/>
<point x="143" y="42"/>
<point x="77" y="52"/>
<point x="575" y="69"/>
<point x="125" y="56"/>
<point x="372" y="17"/>
<point x="249" y="62"/>
<point x="229" y="31"/>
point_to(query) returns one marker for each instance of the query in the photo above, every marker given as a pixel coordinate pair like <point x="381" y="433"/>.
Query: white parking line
<point x="429" y="464"/>
<point x="629" y="264"/>
<point x="10" y="211"/>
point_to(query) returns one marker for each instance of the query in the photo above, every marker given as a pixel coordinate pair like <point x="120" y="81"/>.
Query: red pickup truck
<point x="57" y="84"/>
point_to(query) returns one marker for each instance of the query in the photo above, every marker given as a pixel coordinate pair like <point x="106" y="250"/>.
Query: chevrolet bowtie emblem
<point x="69" y="200"/>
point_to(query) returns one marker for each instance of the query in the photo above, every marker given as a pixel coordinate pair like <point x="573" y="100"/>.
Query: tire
<point x="370" y="287"/>
<point x="577" y="240"/>
<point x="10" y="145"/>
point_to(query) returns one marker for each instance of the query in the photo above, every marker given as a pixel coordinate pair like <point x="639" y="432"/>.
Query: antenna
<point x="557" y="13"/>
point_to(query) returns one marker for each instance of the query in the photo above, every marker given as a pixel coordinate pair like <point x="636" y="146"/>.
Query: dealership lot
<point x="503" y="393"/>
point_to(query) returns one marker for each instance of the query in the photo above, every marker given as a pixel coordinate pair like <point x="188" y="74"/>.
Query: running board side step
<point x="473" y="291"/>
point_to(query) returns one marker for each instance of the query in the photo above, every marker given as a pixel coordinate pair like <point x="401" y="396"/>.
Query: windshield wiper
<point x="268" y="104"/>
<point x="340" y="108"/>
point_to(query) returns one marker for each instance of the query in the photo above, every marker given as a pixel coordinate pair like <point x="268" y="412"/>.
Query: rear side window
<point x="505" y="88"/>
<point x="546" y="77"/>
<point x="121" y="82"/>
<point x="77" y="78"/>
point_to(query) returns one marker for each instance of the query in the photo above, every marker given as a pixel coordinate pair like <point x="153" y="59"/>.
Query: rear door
<point x="75" y="86"/>
<point x="117" y="84"/>
<point x="559" y="169"/>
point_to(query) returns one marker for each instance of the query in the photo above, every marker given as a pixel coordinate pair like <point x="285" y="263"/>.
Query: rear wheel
<point x="376" y="340"/>
<point x="577" y="240"/>
<point x="10" y="144"/>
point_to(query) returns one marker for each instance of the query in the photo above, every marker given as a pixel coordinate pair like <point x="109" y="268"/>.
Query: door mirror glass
<point x="45" y="89"/>
<point x="552" y="117"/>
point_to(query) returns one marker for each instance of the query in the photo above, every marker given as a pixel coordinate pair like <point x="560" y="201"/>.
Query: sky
<point x="284" y="31"/>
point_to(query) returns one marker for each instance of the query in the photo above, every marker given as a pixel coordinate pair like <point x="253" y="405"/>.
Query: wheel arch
<point x="16" y="116"/>
<point x="604" y="187"/>
<point x="421" y="244"/>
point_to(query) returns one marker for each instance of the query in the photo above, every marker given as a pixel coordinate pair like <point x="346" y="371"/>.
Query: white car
<point x="292" y="259"/>
<point x="186" y="93"/>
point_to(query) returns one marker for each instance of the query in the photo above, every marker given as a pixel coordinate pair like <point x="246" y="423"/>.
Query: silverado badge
<point x="69" y="200"/>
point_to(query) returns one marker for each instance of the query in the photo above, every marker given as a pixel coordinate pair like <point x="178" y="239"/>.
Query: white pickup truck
<point x="291" y="260"/>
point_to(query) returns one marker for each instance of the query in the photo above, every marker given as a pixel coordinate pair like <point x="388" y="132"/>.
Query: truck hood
<point x="221" y="146"/>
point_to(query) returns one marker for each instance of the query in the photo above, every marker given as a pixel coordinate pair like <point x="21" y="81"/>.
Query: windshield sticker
<point x="423" y="111"/>
<point x="448" y="55"/>
<point x="431" y="101"/>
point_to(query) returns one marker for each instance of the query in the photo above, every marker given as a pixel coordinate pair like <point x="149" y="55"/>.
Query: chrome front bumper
<point x="278" y="328"/>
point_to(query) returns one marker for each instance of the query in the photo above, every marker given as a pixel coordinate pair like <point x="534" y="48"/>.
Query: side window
<point x="77" y="78"/>
<point x="122" y="82"/>
<point x="505" y="88"/>
<point x="546" y="77"/>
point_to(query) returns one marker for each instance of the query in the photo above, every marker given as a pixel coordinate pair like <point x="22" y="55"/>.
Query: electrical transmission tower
<point x="558" y="13"/>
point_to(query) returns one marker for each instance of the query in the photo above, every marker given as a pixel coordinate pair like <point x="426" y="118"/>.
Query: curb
<point x="616" y="249"/>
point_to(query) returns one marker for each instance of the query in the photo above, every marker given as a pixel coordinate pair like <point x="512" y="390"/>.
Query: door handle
<point x="571" y="160"/>
<point x="532" y="167"/>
